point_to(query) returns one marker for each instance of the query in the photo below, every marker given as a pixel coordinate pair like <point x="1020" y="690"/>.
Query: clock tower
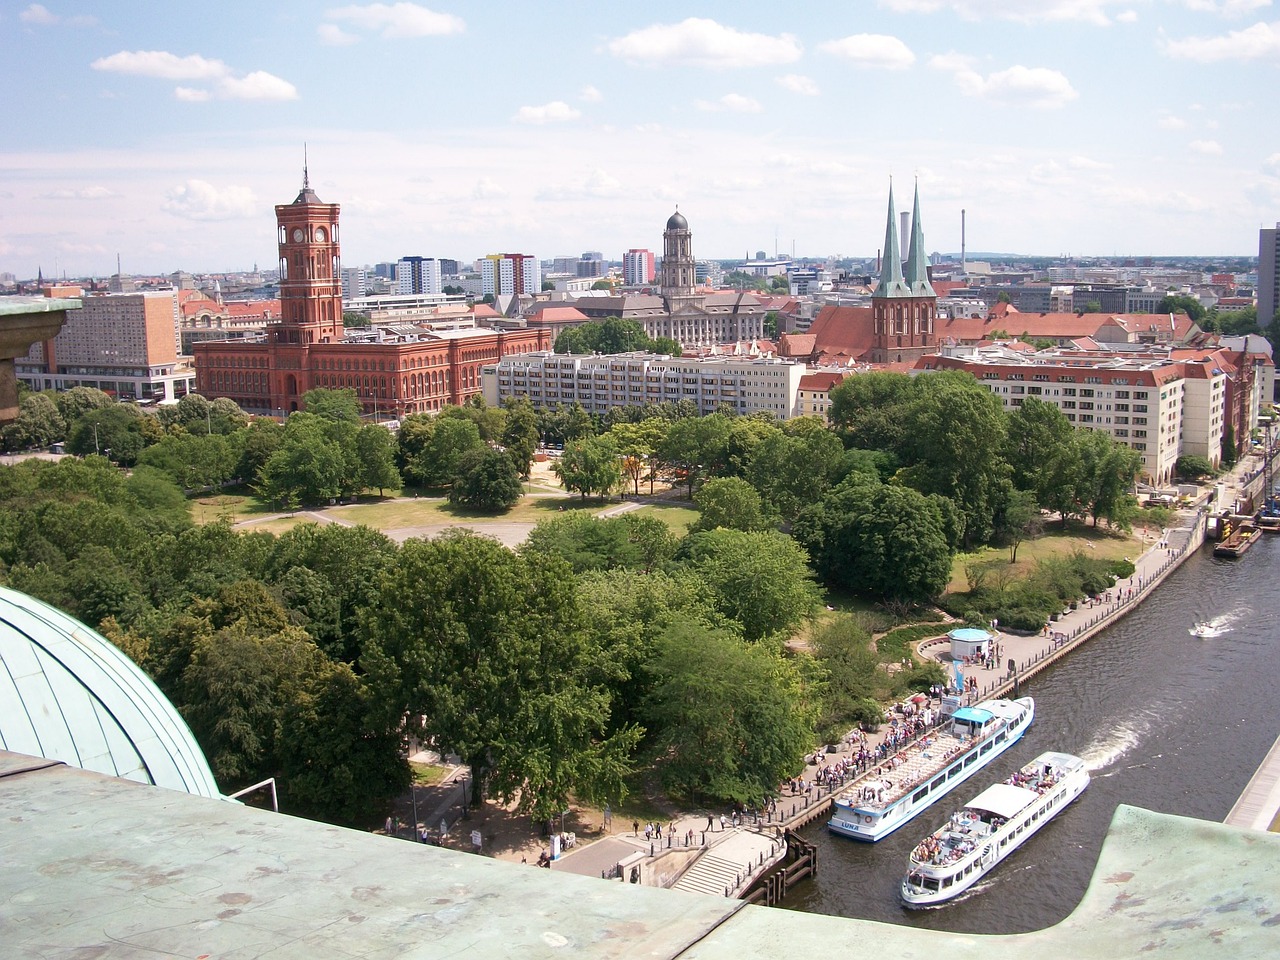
<point x="310" y="270"/>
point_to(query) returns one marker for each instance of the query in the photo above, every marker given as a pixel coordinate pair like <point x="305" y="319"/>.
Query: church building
<point x="394" y="372"/>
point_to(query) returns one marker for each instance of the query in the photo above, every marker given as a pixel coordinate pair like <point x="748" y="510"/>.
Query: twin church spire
<point x="895" y="283"/>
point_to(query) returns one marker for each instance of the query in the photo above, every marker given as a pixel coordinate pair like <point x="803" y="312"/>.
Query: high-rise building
<point x="637" y="267"/>
<point x="505" y="273"/>
<point x="354" y="283"/>
<point x="1268" y="275"/>
<point x="126" y="344"/>
<point x="418" y="275"/>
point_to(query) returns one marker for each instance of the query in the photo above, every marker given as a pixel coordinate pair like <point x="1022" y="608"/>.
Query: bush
<point x="1021" y="618"/>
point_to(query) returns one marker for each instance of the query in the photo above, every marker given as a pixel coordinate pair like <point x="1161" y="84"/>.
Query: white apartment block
<point x="418" y="275"/>
<point x="637" y="267"/>
<point x="600" y="383"/>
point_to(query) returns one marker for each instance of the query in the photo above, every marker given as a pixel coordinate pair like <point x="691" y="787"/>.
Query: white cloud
<point x="1087" y="163"/>
<point x="871" y="50"/>
<point x="1168" y="121"/>
<point x="200" y="200"/>
<point x="1228" y="8"/>
<point x="597" y="184"/>
<point x="1037" y="87"/>
<point x="258" y="85"/>
<point x="730" y="103"/>
<point x="557" y="111"/>
<point x="1022" y="11"/>
<point x="1260" y="41"/>
<point x="1127" y="16"/>
<point x="590" y="94"/>
<point x="798" y="83"/>
<point x="162" y="65"/>
<point x="1272" y="164"/>
<point x="1210" y="148"/>
<point x="397" y="21"/>
<point x="700" y="42"/>
<point x="487" y="188"/>
<point x="332" y="35"/>
<point x="83" y="193"/>
<point x="42" y="16"/>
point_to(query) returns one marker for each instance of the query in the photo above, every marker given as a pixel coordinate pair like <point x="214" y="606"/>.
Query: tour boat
<point x="900" y="787"/>
<point x="990" y="827"/>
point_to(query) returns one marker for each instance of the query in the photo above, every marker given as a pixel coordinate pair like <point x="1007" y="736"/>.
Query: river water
<point x="1166" y="721"/>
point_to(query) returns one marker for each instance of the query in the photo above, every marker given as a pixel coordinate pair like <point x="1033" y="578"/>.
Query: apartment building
<point x="599" y="383"/>
<point x="1140" y="401"/>
<point x="510" y="273"/>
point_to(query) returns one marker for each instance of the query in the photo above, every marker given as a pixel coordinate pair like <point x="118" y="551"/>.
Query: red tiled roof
<point x="795" y="345"/>
<point x="820" y="382"/>
<point x="484" y="310"/>
<point x="842" y="331"/>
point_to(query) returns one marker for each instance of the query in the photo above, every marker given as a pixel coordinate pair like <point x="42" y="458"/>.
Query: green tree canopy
<point x="590" y="467"/>
<point x="697" y="447"/>
<point x="437" y="463"/>
<point x="610" y="335"/>
<point x="487" y="647"/>
<point x="520" y="433"/>
<point x="375" y="451"/>
<point x="881" y="540"/>
<point x="731" y="503"/>
<point x="760" y="580"/>
<point x="486" y="480"/>
<point x="338" y="404"/>
<point x="1174" y="303"/>
<point x="39" y="424"/>
<point x="730" y="717"/>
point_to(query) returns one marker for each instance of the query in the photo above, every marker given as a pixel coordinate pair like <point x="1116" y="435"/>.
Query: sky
<point x="166" y="133"/>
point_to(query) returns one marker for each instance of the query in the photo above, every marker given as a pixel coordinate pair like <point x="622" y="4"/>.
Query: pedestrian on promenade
<point x="635" y="828"/>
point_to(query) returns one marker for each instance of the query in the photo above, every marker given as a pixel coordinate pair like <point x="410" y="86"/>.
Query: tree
<point x="490" y="421"/>
<point x="39" y="424"/>
<point x="771" y="325"/>
<point x="953" y="441"/>
<point x="548" y="285"/>
<point x="1193" y="467"/>
<point x="696" y="447"/>
<point x="1173" y="303"/>
<point x="520" y="434"/>
<point x="795" y="467"/>
<point x="731" y="503"/>
<point x="114" y="432"/>
<point x="761" y="580"/>
<point x="588" y="543"/>
<point x="866" y="410"/>
<point x="881" y="540"/>
<point x="1230" y="450"/>
<point x="637" y="444"/>
<point x="1107" y="473"/>
<point x="486" y="646"/>
<point x="437" y="463"/>
<point x="256" y="443"/>
<point x="193" y="460"/>
<point x="487" y="480"/>
<point x="76" y="402"/>
<point x="341" y="404"/>
<point x="590" y="467"/>
<point x="1019" y="520"/>
<point x="1093" y="306"/>
<point x="611" y="335"/>
<point x="730" y="717"/>
<point x="308" y="466"/>
<point x="351" y="318"/>
<point x="376" y="458"/>
<point x="1038" y="437"/>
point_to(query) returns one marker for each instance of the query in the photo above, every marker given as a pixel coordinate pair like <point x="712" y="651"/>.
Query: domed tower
<point x="679" y="272"/>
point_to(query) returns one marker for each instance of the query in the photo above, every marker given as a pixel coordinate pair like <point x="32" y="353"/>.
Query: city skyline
<point x="1062" y="127"/>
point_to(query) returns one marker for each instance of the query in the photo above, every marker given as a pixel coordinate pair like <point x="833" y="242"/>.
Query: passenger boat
<point x="890" y="794"/>
<point x="990" y="827"/>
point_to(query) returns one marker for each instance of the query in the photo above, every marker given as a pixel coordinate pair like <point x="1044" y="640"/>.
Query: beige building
<point x="126" y="344"/>
<point x="599" y="383"/>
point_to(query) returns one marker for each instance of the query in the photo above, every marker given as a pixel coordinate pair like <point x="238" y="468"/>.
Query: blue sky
<point x="167" y="132"/>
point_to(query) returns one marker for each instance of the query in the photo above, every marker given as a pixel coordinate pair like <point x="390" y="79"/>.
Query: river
<point x="1166" y="721"/>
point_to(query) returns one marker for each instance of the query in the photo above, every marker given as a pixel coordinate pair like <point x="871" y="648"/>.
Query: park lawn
<point x="234" y="506"/>
<point x="422" y="512"/>
<point x="677" y="517"/>
<point x="427" y="774"/>
<point x="1100" y="542"/>
<point x="281" y="524"/>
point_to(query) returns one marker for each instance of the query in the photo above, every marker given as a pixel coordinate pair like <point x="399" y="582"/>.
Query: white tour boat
<point x="892" y="792"/>
<point x="990" y="827"/>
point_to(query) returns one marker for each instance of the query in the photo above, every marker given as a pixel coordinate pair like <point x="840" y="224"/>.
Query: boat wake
<point x="1105" y="751"/>
<point x="1208" y="629"/>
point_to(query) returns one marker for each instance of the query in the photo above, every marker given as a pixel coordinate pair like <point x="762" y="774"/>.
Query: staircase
<point x="711" y="875"/>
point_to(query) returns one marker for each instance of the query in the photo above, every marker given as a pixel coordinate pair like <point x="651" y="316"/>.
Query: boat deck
<point x="890" y="780"/>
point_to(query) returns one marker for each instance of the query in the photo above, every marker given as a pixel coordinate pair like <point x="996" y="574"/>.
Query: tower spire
<point x="306" y="180"/>
<point x="917" y="273"/>
<point x="891" y="283"/>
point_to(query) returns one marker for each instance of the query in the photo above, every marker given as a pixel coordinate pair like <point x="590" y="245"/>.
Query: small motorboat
<point x="1203" y="630"/>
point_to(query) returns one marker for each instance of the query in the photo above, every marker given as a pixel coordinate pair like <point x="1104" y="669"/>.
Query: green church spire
<point x="917" y="275"/>
<point x="891" y="284"/>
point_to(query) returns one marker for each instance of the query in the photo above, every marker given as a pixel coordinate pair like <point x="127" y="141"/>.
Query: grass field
<point x="1100" y="543"/>
<point x="677" y="517"/>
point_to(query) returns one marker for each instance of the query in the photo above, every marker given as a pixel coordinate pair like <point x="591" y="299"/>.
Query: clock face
<point x="298" y="234"/>
<point x="320" y="234"/>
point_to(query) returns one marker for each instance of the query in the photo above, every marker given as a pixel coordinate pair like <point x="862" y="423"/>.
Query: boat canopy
<point x="1003" y="800"/>
<point x="973" y="715"/>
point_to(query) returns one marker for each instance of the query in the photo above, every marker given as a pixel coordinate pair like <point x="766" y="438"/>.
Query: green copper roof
<point x="917" y="276"/>
<point x="891" y="284"/>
